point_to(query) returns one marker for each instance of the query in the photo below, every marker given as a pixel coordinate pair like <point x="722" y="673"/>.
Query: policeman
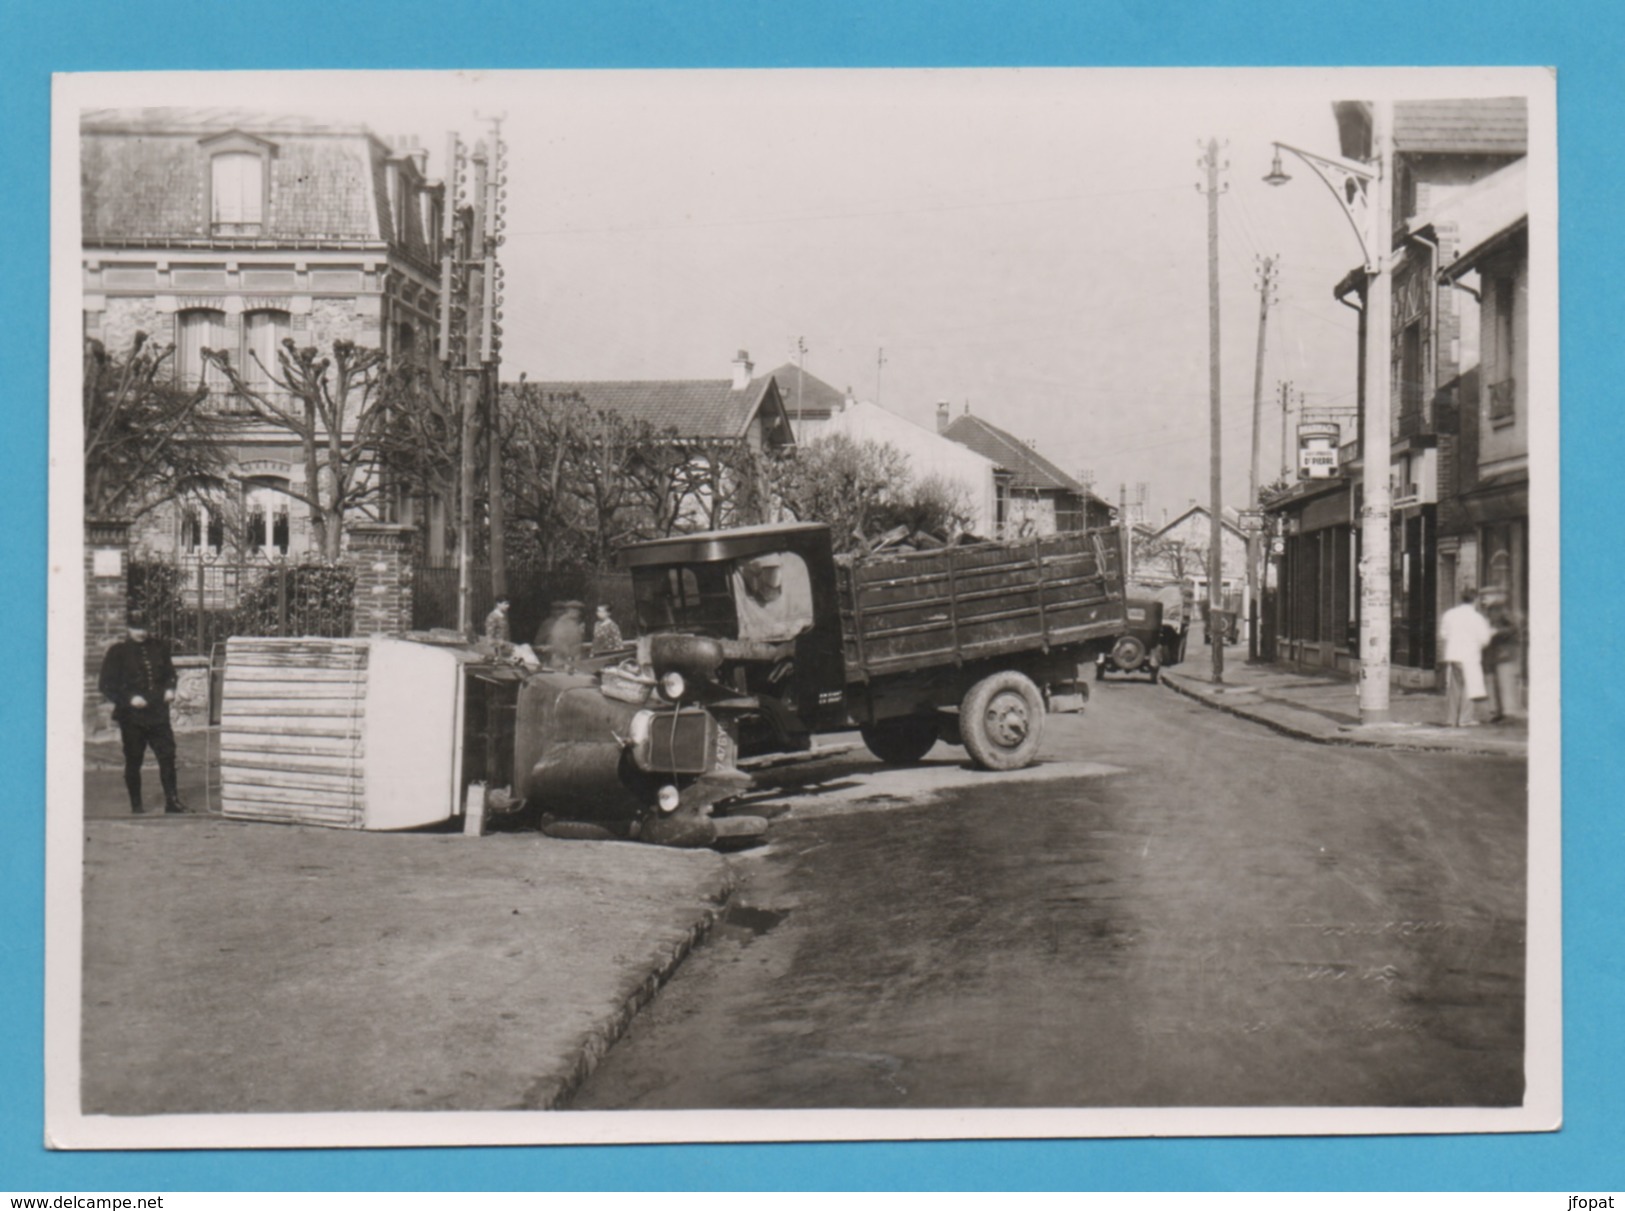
<point x="138" y="677"/>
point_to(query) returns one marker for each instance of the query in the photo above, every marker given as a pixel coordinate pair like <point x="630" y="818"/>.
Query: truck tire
<point x="901" y="741"/>
<point x="1002" y="720"/>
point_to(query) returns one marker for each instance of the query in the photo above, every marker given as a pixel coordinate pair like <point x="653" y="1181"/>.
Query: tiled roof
<point x="1029" y="469"/>
<point x="816" y="399"/>
<point x="695" y="408"/>
<point x="143" y="175"/>
<point x="1464" y="126"/>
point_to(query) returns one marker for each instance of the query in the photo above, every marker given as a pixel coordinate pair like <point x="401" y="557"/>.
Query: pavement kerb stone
<point x="1324" y="732"/>
<point x="604" y="1036"/>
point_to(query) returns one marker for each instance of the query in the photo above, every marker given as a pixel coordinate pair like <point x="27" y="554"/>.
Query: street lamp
<point x="1363" y="194"/>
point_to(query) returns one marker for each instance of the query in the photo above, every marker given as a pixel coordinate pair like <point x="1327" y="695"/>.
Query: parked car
<point x="1151" y="640"/>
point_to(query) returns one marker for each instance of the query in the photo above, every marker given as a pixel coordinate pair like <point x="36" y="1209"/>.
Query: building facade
<point x="1442" y="150"/>
<point x="234" y="231"/>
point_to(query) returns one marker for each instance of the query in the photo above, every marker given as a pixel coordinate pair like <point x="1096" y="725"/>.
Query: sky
<point x="1030" y="244"/>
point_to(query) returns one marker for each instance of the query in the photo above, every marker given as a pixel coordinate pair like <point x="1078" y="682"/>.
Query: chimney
<point x="942" y="415"/>
<point x="742" y="368"/>
<point x="848" y="400"/>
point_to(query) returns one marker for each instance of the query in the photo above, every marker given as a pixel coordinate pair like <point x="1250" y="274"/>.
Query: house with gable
<point x="232" y="230"/>
<point x="705" y="417"/>
<point x="810" y="402"/>
<point x="1037" y="497"/>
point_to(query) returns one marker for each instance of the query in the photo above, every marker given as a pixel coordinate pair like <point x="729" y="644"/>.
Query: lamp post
<point x="1363" y="191"/>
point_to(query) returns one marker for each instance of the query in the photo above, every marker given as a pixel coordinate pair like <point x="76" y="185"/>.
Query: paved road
<point x="1178" y="908"/>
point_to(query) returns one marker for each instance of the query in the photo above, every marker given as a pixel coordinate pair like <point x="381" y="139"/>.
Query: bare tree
<point x="333" y="407"/>
<point x="146" y="440"/>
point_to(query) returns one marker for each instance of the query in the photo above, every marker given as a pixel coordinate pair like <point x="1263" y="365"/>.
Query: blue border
<point x="1581" y="39"/>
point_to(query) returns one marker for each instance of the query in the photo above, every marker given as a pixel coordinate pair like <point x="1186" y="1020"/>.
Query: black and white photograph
<point x="635" y="606"/>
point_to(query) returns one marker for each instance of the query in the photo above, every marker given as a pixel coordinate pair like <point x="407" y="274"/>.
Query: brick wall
<point x="381" y="554"/>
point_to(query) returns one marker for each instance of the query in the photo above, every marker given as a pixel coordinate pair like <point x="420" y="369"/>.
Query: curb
<point x="606" y="1033"/>
<point x="1344" y="741"/>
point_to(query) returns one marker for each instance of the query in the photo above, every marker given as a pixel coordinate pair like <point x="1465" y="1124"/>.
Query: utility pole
<point x="801" y="356"/>
<point x="469" y="383"/>
<point x="1215" y="542"/>
<point x="1375" y="591"/>
<point x="880" y="363"/>
<point x="496" y="206"/>
<point x="1286" y="403"/>
<point x="1266" y="288"/>
<point x="1127" y="525"/>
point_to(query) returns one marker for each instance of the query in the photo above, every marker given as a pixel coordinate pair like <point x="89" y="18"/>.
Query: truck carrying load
<point x="969" y="644"/>
<point x="913" y="610"/>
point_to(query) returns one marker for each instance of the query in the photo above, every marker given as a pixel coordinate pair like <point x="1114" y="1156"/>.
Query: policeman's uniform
<point x="143" y="670"/>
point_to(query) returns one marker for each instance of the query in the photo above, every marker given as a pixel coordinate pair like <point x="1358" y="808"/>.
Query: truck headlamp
<point x="667" y="798"/>
<point x="672" y="686"/>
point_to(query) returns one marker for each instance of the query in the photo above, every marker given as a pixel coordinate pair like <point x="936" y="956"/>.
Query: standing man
<point x="138" y="677"/>
<point x="1463" y="635"/>
<point x="566" y="636"/>
<point x="496" y="626"/>
<point x="1501" y="656"/>
<point x="606" y="635"/>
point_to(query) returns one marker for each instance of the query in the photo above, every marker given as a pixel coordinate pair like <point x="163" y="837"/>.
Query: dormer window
<point x="237" y="188"/>
<point x="239" y="182"/>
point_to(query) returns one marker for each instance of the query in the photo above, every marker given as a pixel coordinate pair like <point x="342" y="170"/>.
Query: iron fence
<point x="198" y="602"/>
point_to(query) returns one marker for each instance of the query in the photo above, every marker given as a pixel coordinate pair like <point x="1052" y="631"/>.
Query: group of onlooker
<point x="1480" y="642"/>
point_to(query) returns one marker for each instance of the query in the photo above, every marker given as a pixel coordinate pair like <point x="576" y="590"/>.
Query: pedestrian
<point x="138" y="677"/>
<point x="1463" y="635"/>
<point x="606" y="635"/>
<point x="566" y="636"/>
<point x="496" y="625"/>
<point x="1501" y="657"/>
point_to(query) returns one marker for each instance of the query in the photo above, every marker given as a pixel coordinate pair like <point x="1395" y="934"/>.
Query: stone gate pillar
<point x="107" y="598"/>
<point x="381" y="554"/>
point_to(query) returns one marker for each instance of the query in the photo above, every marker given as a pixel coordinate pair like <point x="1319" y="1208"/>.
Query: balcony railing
<point x="1503" y="403"/>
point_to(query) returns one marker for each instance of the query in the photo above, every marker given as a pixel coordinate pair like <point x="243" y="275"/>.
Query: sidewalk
<point x="237" y="967"/>
<point x="1326" y="709"/>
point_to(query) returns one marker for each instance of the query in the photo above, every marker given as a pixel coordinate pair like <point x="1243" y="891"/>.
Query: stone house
<point x="224" y="229"/>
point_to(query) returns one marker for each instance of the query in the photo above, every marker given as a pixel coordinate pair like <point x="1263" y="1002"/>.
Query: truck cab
<point x="750" y="616"/>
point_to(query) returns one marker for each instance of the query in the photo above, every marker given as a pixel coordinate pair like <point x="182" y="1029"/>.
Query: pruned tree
<point x="864" y="489"/>
<point x="333" y="407"/>
<point x="146" y="440"/>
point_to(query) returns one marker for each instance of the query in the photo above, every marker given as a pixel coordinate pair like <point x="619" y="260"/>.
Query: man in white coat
<point x="1463" y="635"/>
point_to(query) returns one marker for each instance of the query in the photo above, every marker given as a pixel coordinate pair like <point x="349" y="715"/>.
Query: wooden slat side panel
<point x="292" y="747"/>
<point x="927" y="608"/>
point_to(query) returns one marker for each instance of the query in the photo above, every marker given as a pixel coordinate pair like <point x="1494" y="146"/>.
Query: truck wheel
<point x="901" y="741"/>
<point x="1002" y="719"/>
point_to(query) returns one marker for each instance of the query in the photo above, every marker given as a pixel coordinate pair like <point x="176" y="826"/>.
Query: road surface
<point x="1176" y="907"/>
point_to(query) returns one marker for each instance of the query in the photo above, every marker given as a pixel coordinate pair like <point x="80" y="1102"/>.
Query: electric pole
<point x="1375" y="590"/>
<point x="801" y="356"/>
<point x="1286" y="404"/>
<point x="1215" y="542"/>
<point x="470" y="338"/>
<point x="880" y="363"/>
<point x="1266" y="288"/>
<point x="496" y="206"/>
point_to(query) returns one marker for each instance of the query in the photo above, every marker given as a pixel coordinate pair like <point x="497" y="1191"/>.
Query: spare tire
<point x="1128" y="652"/>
